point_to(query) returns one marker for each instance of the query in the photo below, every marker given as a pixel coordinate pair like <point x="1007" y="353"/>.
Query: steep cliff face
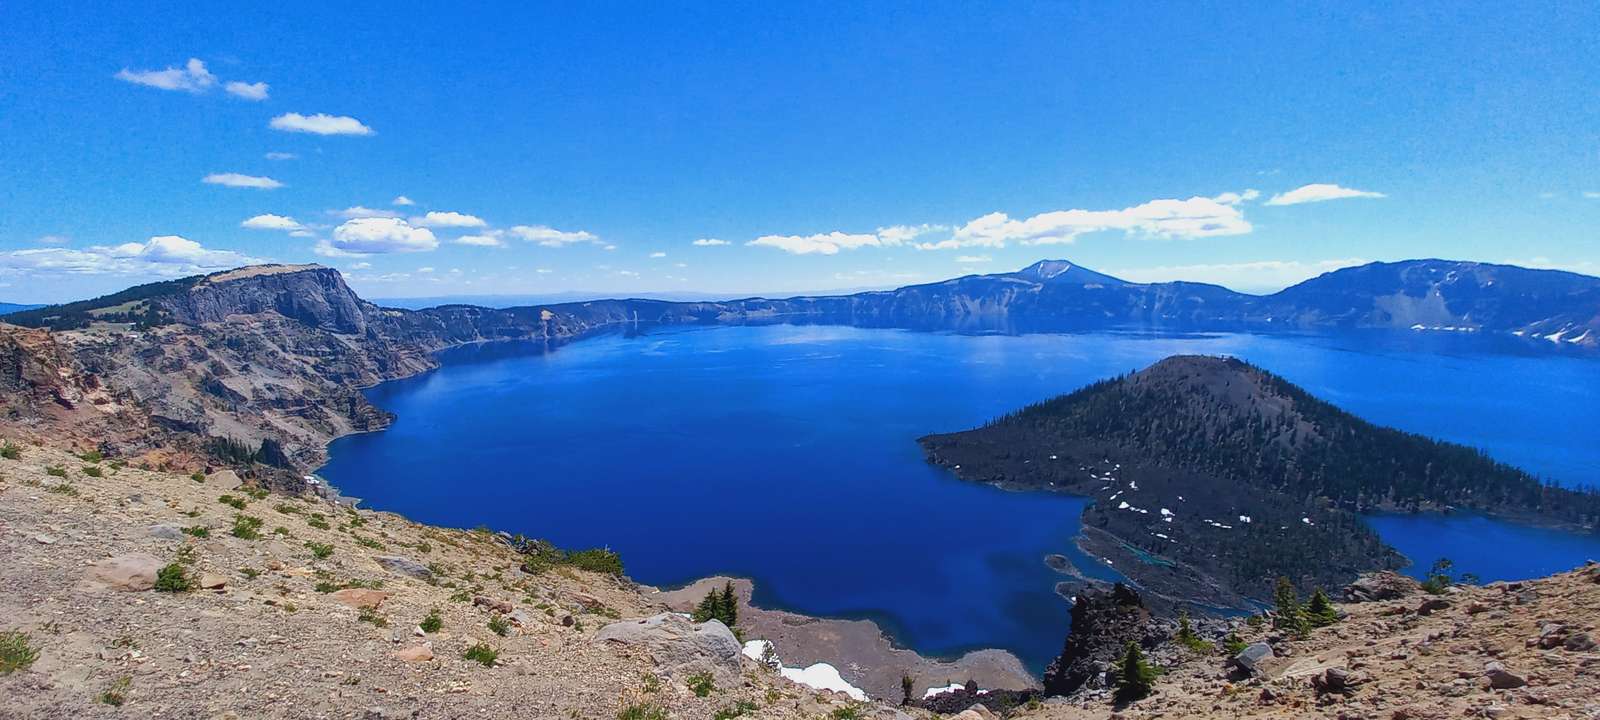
<point x="1104" y="621"/>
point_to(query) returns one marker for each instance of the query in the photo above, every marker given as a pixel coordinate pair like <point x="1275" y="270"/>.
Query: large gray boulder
<point x="128" y="573"/>
<point x="678" y="646"/>
<point x="1251" y="658"/>
<point x="1378" y="586"/>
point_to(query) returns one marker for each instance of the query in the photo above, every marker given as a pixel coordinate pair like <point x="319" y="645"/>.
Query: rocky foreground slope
<point x="322" y="611"/>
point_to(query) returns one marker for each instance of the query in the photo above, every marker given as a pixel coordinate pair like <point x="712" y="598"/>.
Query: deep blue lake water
<point x="787" y="454"/>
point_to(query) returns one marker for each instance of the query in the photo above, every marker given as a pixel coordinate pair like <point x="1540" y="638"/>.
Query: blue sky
<point x="805" y="147"/>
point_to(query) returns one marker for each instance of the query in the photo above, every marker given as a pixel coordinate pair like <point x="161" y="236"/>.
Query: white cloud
<point x="551" y="237"/>
<point x="358" y="211"/>
<point x="1319" y="192"/>
<point x="488" y="238"/>
<point x="820" y="244"/>
<point x="1192" y="218"/>
<point x="964" y="259"/>
<point x="272" y="222"/>
<point x="402" y="200"/>
<point x="162" y="255"/>
<point x="1585" y="267"/>
<point x="424" y="270"/>
<point x="1257" y="276"/>
<point x="448" y="219"/>
<point x="1592" y="195"/>
<point x="241" y="181"/>
<point x="370" y="236"/>
<point x="710" y="242"/>
<point x="900" y="234"/>
<point x="658" y="254"/>
<point x="1234" y="198"/>
<point x="319" y="124"/>
<point x="281" y="156"/>
<point x="192" y="77"/>
<point x="248" y="91"/>
<point x="360" y="266"/>
<point x="53" y="240"/>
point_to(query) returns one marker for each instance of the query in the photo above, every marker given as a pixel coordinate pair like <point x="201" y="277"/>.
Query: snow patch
<point x="820" y="676"/>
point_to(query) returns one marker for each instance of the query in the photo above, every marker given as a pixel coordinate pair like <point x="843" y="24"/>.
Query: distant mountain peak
<point x="1046" y="269"/>
<point x="1064" y="271"/>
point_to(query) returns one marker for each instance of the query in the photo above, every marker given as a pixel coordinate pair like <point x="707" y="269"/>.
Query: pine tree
<point x="1320" y="610"/>
<point x="1135" y="677"/>
<point x="1289" y="614"/>
<point x="1186" y="635"/>
<point x="906" y="686"/>
<point x="730" y="606"/>
<point x="708" y="608"/>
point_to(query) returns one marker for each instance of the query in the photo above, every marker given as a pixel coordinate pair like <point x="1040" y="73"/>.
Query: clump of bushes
<point x="1135" y="676"/>
<point x="10" y="451"/>
<point x="1187" y="637"/>
<point x="117" y="694"/>
<point x="16" y="653"/>
<point x="432" y="623"/>
<point x="247" y="527"/>
<point x="56" y="471"/>
<point x="701" y="684"/>
<point x="541" y="555"/>
<point x="236" y="503"/>
<point x="499" y="626"/>
<point x="199" y="531"/>
<point x="482" y="654"/>
<point x="93" y="471"/>
<point x="320" y="551"/>
<point x="174" y="578"/>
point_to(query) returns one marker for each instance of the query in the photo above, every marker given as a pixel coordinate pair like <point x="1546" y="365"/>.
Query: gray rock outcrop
<point x="678" y="646"/>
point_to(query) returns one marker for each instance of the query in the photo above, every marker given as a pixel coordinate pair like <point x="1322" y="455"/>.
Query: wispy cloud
<point x="161" y="256"/>
<point x="658" y="254"/>
<point x="281" y="156"/>
<point x="193" y="77"/>
<point x="272" y="222"/>
<point x="360" y="211"/>
<point x="1319" y="192"/>
<point x="249" y="91"/>
<point x="319" y="124"/>
<point x="238" y="180"/>
<point x="448" y="220"/>
<point x="487" y="238"/>
<point x="401" y="200"/>
<point x="968" y="259"/>
<point x="819" y="244"/>
<point x="551" y="237"/>
<point x="710" y="242"/>
<point x="53" y="239"/>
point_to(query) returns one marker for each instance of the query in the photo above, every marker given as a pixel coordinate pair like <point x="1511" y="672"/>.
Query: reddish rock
<point x="361" y="597"/>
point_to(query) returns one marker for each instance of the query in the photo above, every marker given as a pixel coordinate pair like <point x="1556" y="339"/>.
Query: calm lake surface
<point x="787" y="454"/>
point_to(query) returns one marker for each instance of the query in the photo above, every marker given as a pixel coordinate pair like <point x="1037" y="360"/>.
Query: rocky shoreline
<point x="860" y="650"/>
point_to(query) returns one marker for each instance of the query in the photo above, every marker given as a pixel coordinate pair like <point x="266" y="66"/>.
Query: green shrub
<point x="93" y="471"/>
<point x="199" y="531"/>
<point x="432" y="623"/>
<point x="368" y="543"/>
<point x="10" y="451"/>
<point x="718" y="605"/>
<point x="320" y="551"/>
<point x="287" y="508"/>
<point x="642" y="711"/>
<point x="1320" y="611"/>
<point x="1439" y="576"/>
<point x="174" y="578"/>
<point x="482" y="654"/>
<point x="236" y="503"/>
<point x="1187" y="638"/>
<point x="848" y="712"/>
<point x="1232" y="644"/>
<point x="1288" y="614"/>
<point x="198" y="477"/>
<point x="56" y="471"/>
<point x="15" y="652"/>
<point x="499" y="626"/>
<point x="368" y="615"/>
<point x="1135" y="677"/>
<point x="701" y="684"/>
<point x="738" y="709"/>
<point x="247" y="527"/>
<point x="318" y="521"/>
<point x="64" y="489"/>
<point x="117" y="694"/>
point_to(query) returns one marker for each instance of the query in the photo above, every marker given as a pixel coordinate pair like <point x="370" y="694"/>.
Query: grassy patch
<point x="642" y="711"/>
<point x="318" y="521"/>
<point x="701" y="684"/>
<point x="320" y="551"/>
<point x="93" y="471"/>
<point x="368" y="615"/>
<point x="738" y="709"/>
<point x="432" y="623"/>
<point x="199" y="531"/>
<point x="93" y="456"/>
<point x="15" y="652"/>
<point x="482" y="654"/>
<point x="499" y="626"/>
<point x="66" y="489"/>
<point x="369" y="543"/>
<point x="174" y="578"/>
<point x="236" y="503"/>
<point x="117" y="694"/>
<point x="56" y="471"/>
<point x="198" y="477"/>
<point x="10" y="451"/>
<point x="247" y="527"/>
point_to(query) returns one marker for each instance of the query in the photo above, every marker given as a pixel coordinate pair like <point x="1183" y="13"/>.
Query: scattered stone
<point x="166" y="532"/>
<point x="44" y="539"/>
<point x="212" y="581"/>
<point x="360" y="597"/>
<point x="1433" y="605"/>
<point x="415" y="653"/>
<point x="1579" y="642"/>
<point x="405" y="566"/>
<point x="127" y="573"/>
<point x="1502" y="679"/>
<point x="679" y="646"/>
<point x="499" y="606"/>
<point x="1337" y="680"/>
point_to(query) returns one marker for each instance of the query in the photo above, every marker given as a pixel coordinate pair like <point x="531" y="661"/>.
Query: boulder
<point x="1377" y="586"/>
<point x="1579" y="642"/>
<point x="415" y="653"/>
<point x="128" y="573"/>
<point x="1502" y="679"/>
<point x="166" y="532"/>
<point x="361" y="597"/>
<point x="1251" y="658"/>
<point x="1433" y="605"/>
<point x="212" y="581"/>
<point x="1337" y="680"/>
<point x="405" y="566"/>
<point x="679" y="646"/>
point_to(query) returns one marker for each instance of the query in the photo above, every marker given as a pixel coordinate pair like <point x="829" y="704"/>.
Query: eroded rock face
<point x="678" y="646"/>
<point x="1104" y="621"/>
